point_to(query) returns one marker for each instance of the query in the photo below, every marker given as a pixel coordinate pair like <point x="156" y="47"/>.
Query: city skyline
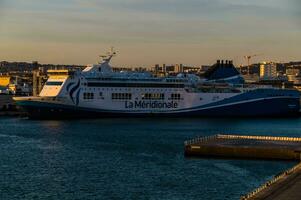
<point x="149" y="32"/>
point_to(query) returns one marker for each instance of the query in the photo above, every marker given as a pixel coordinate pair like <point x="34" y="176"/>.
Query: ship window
<point x="121" y="96"/>
<point x="54" y="83"/>
<point x="88" y="95"/>
<point x="175" y="96"/>
<point x="100" y="94"/>
<point x="153" y="96"/>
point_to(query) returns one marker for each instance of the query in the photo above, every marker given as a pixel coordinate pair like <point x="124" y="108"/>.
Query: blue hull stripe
<point x="263" y="107"/>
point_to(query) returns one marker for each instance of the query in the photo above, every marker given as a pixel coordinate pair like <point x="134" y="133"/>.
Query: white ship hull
<point x="99" y="92"/>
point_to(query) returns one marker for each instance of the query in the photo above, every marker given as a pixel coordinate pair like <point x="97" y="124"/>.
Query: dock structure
<point x="243" y="146"/>
<point x="285" y="186"/>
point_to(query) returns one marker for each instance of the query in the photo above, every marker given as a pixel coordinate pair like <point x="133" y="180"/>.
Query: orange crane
<point x="248" y="59"/>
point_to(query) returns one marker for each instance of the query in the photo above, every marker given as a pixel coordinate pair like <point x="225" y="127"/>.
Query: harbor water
<point x="129" y="158"/>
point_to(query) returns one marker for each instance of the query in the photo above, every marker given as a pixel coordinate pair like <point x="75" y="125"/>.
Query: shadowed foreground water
<point x="128" y="159"/>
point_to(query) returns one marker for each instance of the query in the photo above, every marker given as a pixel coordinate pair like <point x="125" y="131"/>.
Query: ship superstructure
<point x="97" y="91"/>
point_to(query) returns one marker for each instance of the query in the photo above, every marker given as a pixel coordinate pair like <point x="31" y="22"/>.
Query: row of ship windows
<point x="134" y="85"/>
<point x="176" y="96"/>
<point x="130" y="89"/>
<point x="148" y="79"/>
<point x="54" y="83"/>
<point x="88" y="95"/>
<point x="124" y="96"/>
<point x="128" y="96"/>
<point x="153" y="96"/>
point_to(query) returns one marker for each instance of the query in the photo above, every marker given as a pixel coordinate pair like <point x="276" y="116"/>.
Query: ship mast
<point x="107" y="58"/>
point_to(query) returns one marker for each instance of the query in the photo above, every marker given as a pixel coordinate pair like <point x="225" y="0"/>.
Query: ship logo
<point x="71" y="89"/>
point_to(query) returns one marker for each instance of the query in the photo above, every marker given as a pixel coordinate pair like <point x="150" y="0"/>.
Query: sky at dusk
<point x="146" y="32"/>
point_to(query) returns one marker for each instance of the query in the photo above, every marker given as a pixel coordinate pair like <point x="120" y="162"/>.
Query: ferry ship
<point x="98" y="91"/>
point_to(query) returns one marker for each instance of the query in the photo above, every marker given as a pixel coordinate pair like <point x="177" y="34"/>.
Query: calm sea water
<point x="128" y="159"/>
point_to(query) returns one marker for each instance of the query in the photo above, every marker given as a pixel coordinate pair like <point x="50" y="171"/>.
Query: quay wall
<point x="214" y="146"/>
<point x="242" y="152"/>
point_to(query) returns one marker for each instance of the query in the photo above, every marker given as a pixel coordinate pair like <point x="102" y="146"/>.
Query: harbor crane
<point x="248" y="58"/>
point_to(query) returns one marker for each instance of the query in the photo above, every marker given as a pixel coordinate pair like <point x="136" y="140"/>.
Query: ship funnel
<point x="222" y="70"/>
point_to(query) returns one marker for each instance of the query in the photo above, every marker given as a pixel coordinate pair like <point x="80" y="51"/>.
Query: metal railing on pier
<point x="270" y="182"/>
<point x="202" y="139"/>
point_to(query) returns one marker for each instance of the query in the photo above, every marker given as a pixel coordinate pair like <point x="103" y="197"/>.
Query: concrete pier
<point x="285" y="186"/>
<point x="8" y="106"/>
<point x="247" y="147"/>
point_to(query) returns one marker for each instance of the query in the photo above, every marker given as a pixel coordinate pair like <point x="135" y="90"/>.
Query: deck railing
<point x="251" y="137"/>
<point x="270" y="182"/>
<point x="202" y="139"/>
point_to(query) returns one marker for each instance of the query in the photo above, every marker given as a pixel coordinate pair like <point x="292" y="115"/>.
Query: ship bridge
<point x="55" y="82"/>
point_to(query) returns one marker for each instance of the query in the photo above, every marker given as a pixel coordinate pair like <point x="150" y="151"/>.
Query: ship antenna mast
<point x="108" y="56"/>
